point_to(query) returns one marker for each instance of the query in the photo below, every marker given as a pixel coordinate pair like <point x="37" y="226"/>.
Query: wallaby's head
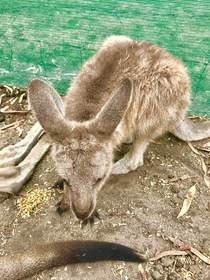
<point x="83" y="151"/>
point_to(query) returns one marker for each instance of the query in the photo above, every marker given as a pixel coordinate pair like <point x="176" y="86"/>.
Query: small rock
<point x="156" y="275"/>
<point x="167" y="261"/>
<point x="3" y="196"/>
<point x="172" y="276"/>
<point x="180" y="262"/>
<point x="194" y="268"/>
<point x="160" y="268"/>
<point x="174" y="189"/>
<point x="2" y="117"/>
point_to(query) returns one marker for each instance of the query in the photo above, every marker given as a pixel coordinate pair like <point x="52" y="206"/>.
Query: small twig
<point x="9" y="104"/>
<point x="14" y="112"/>
<point x="193" y="149"/>
<point x="168" y="253"/>
<point x="201" y="256"/>
<point x="14" y="124"/>
<point x="204" y="149"/>
<point x="21" y="97"/>
<point x="188" y="247"/>
<point x="1" y="97"/>
<point x="9" y="88"/>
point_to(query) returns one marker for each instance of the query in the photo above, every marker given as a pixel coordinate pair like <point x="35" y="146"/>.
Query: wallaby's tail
<point x="188" y="130"/>
<point x="28" y="262"/>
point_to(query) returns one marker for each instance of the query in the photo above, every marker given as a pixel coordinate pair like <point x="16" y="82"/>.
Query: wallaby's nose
<point x="82" y="213"/>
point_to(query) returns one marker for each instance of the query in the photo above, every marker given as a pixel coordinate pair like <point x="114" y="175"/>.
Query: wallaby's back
<point x="161" y="87"/>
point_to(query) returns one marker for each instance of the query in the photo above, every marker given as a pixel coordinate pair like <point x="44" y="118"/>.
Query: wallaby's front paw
<point x="120" y="167"/>
<point x="125" y="165"/>
<point x="61" y="207"/>
<point x="91" y="219"/>
<point x="59" y="184"/>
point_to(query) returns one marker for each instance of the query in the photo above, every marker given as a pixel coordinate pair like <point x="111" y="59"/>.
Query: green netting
<point x="53" y="38"/>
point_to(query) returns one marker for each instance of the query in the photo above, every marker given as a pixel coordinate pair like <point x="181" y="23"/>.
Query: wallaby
<point x="24" y="263"/>
<point x="127" y="89"/>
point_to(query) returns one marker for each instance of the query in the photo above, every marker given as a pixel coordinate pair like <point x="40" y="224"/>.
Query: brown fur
<point x="127" y="89"/>
<point x="27" y="262"/>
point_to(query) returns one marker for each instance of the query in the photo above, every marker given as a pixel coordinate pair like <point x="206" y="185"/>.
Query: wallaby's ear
<point x="111" y="114"/>
<point x="48" y="107"/>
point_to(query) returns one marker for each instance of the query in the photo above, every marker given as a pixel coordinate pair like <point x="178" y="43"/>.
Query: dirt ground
<point x="138" y="209"/>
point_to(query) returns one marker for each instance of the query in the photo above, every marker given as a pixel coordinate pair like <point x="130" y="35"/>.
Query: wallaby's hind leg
<point x="187" y="130"/>
<point x="131" y="160"/>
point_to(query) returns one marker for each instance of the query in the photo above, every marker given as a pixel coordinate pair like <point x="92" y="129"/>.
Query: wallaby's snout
<point x="82" y="201"/>
<point x="82" y="212"/>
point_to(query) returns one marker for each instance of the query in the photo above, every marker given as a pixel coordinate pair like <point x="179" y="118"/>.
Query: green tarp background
<point x="53" y="38"/>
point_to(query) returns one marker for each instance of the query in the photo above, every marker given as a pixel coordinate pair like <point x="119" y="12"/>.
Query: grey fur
<point x="128" y="88"/>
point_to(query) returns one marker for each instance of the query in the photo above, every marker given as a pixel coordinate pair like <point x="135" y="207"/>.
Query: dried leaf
<point x="142" y="271"/>
<point x="207" y="180"/>
<point x="207" y="145"/>
<point x="187" y="201"/>
<point x="193" y="148"/>
<point x="206" y="176"/>
<point x="204" y="167"/>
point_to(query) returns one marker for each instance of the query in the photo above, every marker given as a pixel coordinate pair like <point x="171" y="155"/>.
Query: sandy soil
<point x="138" y="209"/>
